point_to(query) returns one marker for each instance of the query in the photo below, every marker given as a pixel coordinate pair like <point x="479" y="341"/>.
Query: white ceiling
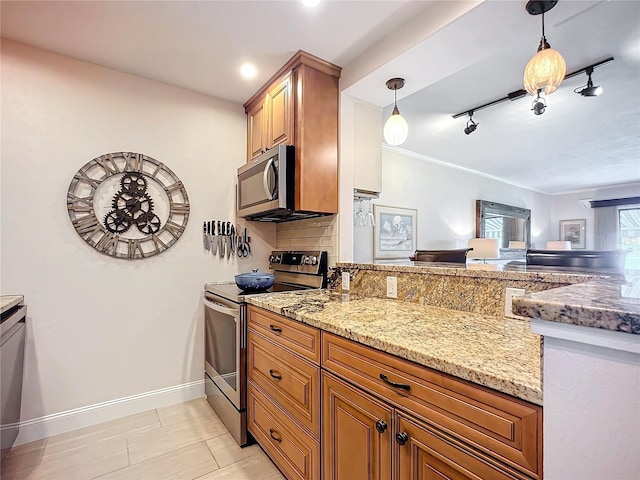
<point x="577" y="143"/>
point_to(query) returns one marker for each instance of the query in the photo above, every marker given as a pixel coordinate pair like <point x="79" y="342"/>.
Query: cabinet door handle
<point x="381" y="426"/>
<point x="275" y="375"/>
<point x="402" y="386"/>
<point x="402" y="438"/>
<point x="277" y="438"/>
<point x="275" y="329"/>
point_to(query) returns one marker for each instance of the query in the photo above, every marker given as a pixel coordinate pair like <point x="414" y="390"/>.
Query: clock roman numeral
<point x="108" y="243"/>
<point x="87" y="226"/>
<point x="108" y="164"/>
<point x="173" y="187"/>
<point x="174" y="229"/>
<point x="159" y="244"/>
<point x="133" y="161"/>
<point x="179" y="208"/>
<point x="83" y="177"/>
<point x="79" y="204"/>
<point x="135" y="249"/>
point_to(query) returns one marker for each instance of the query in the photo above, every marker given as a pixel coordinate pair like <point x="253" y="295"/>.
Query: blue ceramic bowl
<point x="255" y="281"/>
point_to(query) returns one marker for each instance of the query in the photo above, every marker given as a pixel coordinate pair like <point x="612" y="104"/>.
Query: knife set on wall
<point x="224" y="239"/>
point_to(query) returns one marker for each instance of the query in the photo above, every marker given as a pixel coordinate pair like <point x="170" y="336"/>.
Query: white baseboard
<point x="62" y="422"/>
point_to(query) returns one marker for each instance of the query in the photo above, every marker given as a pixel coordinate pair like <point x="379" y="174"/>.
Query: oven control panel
<point x="299" y="261"/>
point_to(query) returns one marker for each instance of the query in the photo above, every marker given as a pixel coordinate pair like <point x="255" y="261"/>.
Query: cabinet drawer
<point x="301" y="339"/>
<point x="502" y="426"/>
<point x="291" y="448"/>
<point x="290" y="380"/>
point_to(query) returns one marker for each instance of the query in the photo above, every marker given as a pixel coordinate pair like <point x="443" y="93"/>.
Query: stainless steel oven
<point x="225" y="327"/>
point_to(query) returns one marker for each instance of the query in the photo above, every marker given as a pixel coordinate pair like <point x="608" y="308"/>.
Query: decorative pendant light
<point x="396" y="128"/>
<point x="547" y="68"/>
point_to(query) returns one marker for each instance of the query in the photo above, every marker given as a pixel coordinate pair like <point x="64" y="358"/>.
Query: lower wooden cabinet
<point x="292" y="449"/>
<point x="425" y="453"/>
<point x="362" y="414"/>
<point x="356" y="433"/>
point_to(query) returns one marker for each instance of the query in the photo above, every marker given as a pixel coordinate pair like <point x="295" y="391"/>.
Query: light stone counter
<point x="607" y="304"/>
<point x="497" y="352"/>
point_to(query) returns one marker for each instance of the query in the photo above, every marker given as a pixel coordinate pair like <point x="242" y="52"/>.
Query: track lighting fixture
<point x="539" y="105"/>
<point x="547" y="68"/>
<point x="589" y="90"/>
<point x="471" y="125"/>
<point x="396" y="128"/>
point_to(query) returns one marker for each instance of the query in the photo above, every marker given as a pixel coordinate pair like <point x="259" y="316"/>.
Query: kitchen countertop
<point x="9" y="301"/>
<point x="497" y="352"/>
<point x="511" y="271"/>
<point x="608" y="304"/>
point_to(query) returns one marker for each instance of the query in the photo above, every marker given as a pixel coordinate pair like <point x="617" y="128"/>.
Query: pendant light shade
<point x="547" y="69"/>
<point x="395" y="128"/>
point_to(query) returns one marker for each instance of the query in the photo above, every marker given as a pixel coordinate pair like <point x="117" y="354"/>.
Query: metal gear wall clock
<point x="128" y="205"/>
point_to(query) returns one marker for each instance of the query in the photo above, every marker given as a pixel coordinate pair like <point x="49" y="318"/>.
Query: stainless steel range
<point x="226" y="332"/>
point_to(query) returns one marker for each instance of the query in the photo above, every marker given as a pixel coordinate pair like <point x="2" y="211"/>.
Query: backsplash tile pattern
<point x="310" y="234"/>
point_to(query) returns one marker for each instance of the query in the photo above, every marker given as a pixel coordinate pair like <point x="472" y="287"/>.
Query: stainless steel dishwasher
<point x="12" y="334"/>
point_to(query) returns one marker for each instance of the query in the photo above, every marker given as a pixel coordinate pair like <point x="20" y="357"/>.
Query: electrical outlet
<point x="508" y="301"/>
<point x="346" y="281"/>
<point x="392" y="287"/>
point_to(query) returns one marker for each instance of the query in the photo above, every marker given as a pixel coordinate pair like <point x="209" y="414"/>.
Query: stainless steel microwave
<point x="266" y="185"/>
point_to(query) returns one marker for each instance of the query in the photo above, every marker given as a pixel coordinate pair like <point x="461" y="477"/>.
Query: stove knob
<point x="314" y="260"/>
<point x="271" y="258"/>
<point x="306" y="260"/>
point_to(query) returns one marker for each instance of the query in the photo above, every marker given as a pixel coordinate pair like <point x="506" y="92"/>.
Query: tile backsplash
<point x="319" y="233"/>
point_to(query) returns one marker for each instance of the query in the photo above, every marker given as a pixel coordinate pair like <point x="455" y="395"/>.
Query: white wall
<point x="569" y="207"/>
<point x="445" y="199"/>
<point x="101" y="328"/>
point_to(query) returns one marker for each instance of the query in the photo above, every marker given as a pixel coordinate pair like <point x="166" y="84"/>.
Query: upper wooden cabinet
<point x="299" y="106"/>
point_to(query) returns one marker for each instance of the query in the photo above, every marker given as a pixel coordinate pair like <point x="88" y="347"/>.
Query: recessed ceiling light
<point x="310" y="3"/>
<point x="248" y="71"/>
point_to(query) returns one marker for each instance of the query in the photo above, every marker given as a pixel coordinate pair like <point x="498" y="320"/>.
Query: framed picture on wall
<point x="573" y="231"/>
<point x="395" y="231"/>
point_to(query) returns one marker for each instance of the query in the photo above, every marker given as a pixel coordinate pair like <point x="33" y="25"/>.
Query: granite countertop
<point x="511" y="271"/>
<point x="608" y="304"/>
<point x="9" y="301"/>
<point x="498" y="352"/>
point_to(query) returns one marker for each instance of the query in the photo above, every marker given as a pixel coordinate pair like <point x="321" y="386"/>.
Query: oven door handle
<point x="218" y="307"/>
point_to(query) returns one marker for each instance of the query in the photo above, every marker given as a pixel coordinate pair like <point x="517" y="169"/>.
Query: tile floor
<point x="183" y="441"/>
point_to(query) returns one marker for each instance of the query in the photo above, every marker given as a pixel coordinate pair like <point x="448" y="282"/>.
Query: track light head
<point x="539" y="105"/>
<point x="589" y="90"/>
<point x="471" y="125"/>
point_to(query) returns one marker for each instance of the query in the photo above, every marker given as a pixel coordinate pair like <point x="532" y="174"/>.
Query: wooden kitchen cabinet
<point x="356" y="435"/>
<point x="269" y="120"/>
<point x="299" y="106"/>
<point x="283" y="395"/>
<point x="460" y="419"/>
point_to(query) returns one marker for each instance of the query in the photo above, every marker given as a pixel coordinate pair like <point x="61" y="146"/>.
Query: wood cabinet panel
<point x="299" y="338"/>
<point x="280" y="113"/>
<point x="425" y="454"/>
<point x="292" y="449"/>
<point x="495" y="423"/>
<point x="293" y="382"/>
<point x="353" y="447"/>
<point x="256" y="130"/>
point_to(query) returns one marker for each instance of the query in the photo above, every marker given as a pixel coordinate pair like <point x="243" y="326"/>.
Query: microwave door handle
<point x="265" y="179"/>
<point x="218" y="307"/>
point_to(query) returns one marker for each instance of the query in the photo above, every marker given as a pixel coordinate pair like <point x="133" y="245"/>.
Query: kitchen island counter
<point x="497" y="352"/>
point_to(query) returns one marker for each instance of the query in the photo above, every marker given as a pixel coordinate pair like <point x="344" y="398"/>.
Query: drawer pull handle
<point x="275" y="374"/>
<point x="275" y="329"/>
<point x="402" y="438"/>
<point x="402" y="386"/>
<point x="277" y="438"/>
<point x="381" y="426"/>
